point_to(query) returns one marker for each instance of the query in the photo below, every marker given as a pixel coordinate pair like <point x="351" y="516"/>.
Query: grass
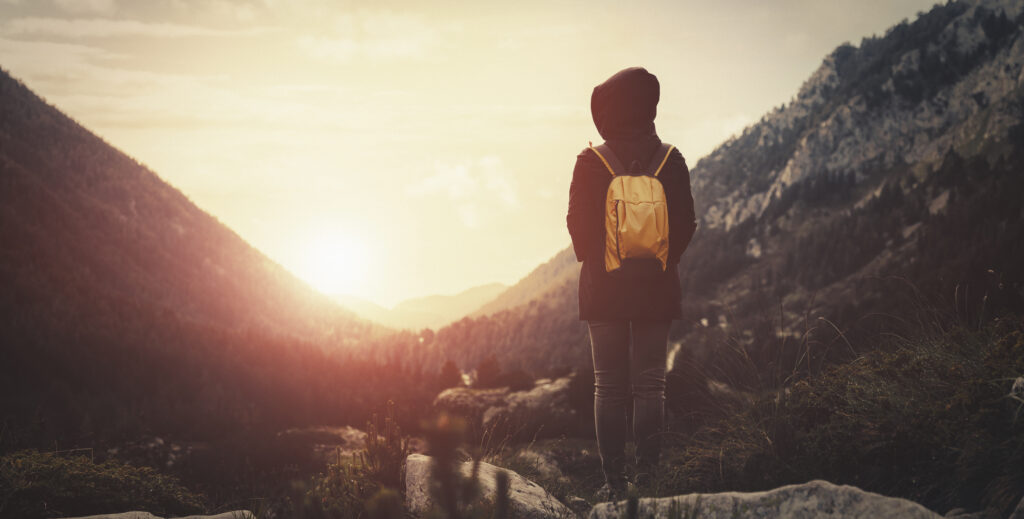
<point x="928" y="417"/>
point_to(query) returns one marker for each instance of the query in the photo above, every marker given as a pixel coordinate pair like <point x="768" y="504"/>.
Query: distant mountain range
<point x="432" y="311"/>
<point x="894" y="170"/>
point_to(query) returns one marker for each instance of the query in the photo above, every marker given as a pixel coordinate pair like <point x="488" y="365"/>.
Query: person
<point x="623" y="309"/>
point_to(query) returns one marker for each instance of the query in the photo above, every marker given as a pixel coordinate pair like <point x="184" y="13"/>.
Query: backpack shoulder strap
<point x="605" y="153"/>
<point x="660" y="158"/>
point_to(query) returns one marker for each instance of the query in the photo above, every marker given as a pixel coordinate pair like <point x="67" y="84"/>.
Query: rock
<point x="827" y="132"/>
<point x="328" y="443"/>
<point x="1018" y="513"/>
<point x="962" y="513"/>
<point x="579" y="505"/>
<point x="237" y="514"/>
<point x="815" y="499"/>
<point x="527" y="499"/>
<point x="417" y="482"/>
<point x="543" y="411"/>
<point x="470" y="403"/>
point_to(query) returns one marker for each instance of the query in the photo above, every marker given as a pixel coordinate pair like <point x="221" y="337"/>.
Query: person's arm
<point x="580" y="210"/>
<point x="682" y="220"/>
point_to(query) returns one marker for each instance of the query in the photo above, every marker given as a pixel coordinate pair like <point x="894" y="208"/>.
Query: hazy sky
<point x="391" y="150"/>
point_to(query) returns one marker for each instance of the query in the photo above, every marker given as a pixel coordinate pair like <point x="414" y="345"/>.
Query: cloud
<point x="86" y="6"/>
<point x="475" y="189"/>
<point x="372" y="35"/>
<point x="103" y="27"/>
<point x="49" y="59"/>
<point x="496" y="180"/>
<point x="455" y="181"/>
<point x="87" y="81"/>
<point x="466" y="180"/>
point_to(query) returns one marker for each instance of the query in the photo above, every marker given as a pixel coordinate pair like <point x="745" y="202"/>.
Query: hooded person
<point x="621" y="309"/>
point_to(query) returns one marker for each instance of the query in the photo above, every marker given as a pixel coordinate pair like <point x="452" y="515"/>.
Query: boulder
<point x="237" y="514"/>
<point x="543" y="411"/>
<point x="328" y="443"/>
<point x="815" y="499"/>
<point x="526" y="498"/>
<point x="470" y="403"/>
<point x="417" y="483"/>
<point x="963" y="513"/>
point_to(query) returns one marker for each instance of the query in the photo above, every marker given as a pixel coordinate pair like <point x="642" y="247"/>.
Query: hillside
<point x="550" y="275"/>
<point x="126" y="308"/>
<point x="432" y="311"/>
<point x="893" y="172"/>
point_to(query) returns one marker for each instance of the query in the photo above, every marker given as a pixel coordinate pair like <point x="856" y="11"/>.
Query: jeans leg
<point x="609" y="341"/>
<point x="650" y="349"/>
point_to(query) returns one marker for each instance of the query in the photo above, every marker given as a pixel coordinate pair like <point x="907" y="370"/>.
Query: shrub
<point x="488" y="373"/>
<point x="338" y="493"/>
<point x="926" y="418"/>
<point x="450" y="376"/>
<point x="363" y="485"/>
<point x="385" y="451"/>
<point x="45" y="484"/>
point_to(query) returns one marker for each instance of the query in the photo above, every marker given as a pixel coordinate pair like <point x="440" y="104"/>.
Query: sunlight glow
<point x="333" y="263"/>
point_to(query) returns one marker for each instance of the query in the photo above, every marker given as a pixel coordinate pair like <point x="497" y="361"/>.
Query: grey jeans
<point x="621" y="374"/>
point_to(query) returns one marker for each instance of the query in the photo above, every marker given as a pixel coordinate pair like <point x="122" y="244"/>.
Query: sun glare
<point x="334" y="264"/>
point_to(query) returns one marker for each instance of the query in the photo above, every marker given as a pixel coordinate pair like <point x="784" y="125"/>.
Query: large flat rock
<point x="237" y="514"/>
<point x="815" y="499"/>
<point x="526" y="498"/>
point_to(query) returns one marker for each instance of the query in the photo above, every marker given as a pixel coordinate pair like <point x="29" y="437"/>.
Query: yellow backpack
<point x="636" y="211"/>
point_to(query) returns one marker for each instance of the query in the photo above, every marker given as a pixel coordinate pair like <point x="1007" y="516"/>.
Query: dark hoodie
<point x="624" y="108"/>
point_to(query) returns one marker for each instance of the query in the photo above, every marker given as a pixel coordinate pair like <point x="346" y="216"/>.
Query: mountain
<point x="126" y="308"/>
<point x="364" y="308"/>
<point x="551" y="275"/>
<point x="880" y="166"/>
<point x="432" y="311"/>
<point x="81" y="215"/>
<point x="892" y="176"/>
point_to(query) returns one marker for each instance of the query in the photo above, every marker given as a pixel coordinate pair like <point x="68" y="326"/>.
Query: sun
<point x="333" y="263"/>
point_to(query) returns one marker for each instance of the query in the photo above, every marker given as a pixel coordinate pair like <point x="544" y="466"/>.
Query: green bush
<point x="928" y="418"/>
<point x="46" y="484"/>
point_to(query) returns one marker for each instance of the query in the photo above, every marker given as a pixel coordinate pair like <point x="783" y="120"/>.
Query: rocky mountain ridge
<point x="856" y="133"/>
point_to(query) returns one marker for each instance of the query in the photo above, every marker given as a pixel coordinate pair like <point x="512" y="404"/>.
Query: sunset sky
<point x="397" y="149"/>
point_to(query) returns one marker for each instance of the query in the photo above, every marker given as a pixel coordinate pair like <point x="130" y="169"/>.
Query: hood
<point x="626" y="103"/>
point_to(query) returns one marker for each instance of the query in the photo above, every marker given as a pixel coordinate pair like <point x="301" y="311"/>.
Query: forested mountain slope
<point x="126" y="307"/>
<point x="551" y="275"/>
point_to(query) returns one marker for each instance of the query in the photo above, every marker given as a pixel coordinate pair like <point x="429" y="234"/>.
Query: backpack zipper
<point x="618" y="232"/>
